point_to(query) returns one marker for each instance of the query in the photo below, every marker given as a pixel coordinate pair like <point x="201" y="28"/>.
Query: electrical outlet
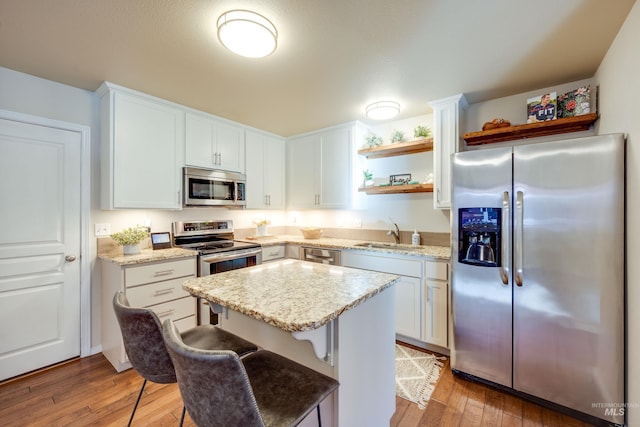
<point x="357" y="223"/>
<point x="102" y="230"/>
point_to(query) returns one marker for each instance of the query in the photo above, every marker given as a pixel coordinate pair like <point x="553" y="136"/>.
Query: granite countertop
<point x="434" y="252"/>
<point x="289" y="294"/>
<point x="146" y="255"/>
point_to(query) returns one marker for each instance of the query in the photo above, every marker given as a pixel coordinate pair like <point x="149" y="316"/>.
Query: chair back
<point x="142" y="337"/>
<point x="214" y="385"/>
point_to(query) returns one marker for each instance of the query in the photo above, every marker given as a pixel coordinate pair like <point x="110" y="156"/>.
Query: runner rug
<point x="416" y="374"/>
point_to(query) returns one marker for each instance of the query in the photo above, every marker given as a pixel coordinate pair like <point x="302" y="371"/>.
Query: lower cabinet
<point x="154" y="285"/>
<point x="409" y="289"/>
<point x="273" y="253"/>
<point x="436" y="303"/>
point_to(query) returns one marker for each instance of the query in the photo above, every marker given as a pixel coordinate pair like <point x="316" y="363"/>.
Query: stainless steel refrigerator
<point x="538" y="270"/>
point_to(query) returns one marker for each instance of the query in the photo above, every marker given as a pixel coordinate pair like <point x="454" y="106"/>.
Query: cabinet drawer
<point x="436" y="270"/>
<point x="149" y="273"/>
<point x="384" y="264"/>
<point x="175" y="310"/>
<point x="272" y="252"/>
<point x="156" y="293"/>
<point x="186" y="323"/>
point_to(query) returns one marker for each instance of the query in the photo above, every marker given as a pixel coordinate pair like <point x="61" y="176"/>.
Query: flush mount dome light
<point x="247" y="33"/>
<point x="383" y="110"/>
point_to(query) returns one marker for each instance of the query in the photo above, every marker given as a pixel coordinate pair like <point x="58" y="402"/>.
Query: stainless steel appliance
<point x="538" y="271"/>
<point x="206" y="187"/>
<point x="217" y="252"/>
<point x="320" y="255"/>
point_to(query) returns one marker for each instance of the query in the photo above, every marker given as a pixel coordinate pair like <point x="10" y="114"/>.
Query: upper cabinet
<point x="265" y="171"/>
<point x="214" y="143"/>
<point x="142" y="150"/>
<point x="447" y="117"/>
<point x="319" y="169"/>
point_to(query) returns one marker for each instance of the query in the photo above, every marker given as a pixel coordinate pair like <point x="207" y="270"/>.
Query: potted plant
<point x="130" y="239"/>
<point x="373" y="140"/>
<point x="397" y="136"/>
<point x="261" y="226"/>
<point x="368" y="177"/>
<point x="421" y="132"/>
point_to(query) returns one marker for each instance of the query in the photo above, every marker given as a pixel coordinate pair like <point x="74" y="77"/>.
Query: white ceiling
<point x="333" y="58"/>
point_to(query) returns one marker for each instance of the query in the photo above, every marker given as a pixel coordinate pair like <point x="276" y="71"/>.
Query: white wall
<point x="619" y="94"/>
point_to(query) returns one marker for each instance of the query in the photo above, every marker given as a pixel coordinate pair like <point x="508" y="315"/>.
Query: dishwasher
<point x="320" y="255"/>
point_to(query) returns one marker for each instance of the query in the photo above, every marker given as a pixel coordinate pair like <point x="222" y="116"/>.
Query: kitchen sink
<point x="376" y="245"/>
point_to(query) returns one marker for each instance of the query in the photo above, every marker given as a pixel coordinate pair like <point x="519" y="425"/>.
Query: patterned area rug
<point x="416" y="374"/>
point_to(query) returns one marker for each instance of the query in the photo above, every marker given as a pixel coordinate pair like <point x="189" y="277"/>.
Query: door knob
<point x="70" y="258"/>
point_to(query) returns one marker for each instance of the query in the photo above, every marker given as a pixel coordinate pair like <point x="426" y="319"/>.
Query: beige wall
<point x="620" y="112"/>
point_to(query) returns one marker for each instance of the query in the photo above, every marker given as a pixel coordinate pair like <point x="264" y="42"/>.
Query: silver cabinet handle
<point x="166" y="313"/>
<point x="519" y="231"/>
<point x="163" y="291"/>
<point x="70" y="258"/>
<point x="163" y="273"/>
<point x="506" y="237"/>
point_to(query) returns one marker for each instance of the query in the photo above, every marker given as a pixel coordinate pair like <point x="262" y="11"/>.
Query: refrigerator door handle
<point x="519" y="237"/>
<point x="506" y="237"/>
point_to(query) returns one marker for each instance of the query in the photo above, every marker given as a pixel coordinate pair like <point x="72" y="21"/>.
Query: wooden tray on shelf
<point x="532" y="130"/>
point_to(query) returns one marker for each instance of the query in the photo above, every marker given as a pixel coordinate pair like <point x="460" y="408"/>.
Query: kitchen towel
<point x="417" y="373"/>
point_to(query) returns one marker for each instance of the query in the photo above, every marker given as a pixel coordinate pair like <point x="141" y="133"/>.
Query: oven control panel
<point x="191" y="228"/>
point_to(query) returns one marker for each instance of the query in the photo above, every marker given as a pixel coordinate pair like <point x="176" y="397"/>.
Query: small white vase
<point x="131" y="249"/>
<point x="261" y="230"/>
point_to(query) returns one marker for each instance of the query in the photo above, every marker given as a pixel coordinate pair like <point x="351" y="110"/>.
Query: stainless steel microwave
<point x="207" y="187"/>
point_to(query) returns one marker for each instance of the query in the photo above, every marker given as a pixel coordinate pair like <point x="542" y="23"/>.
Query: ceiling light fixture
<point x="247" y="33"/>
<point x="383" y="110"/>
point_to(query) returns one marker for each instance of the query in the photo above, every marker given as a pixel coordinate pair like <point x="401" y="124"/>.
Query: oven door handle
<point x="235" y="255"/>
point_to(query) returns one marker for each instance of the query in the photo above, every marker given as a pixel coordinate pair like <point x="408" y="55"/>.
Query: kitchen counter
<point x="146" y="255"/>
<point x="336" y="320"/>
<point x="433" y="252"/>
<point x="291" y="295"/>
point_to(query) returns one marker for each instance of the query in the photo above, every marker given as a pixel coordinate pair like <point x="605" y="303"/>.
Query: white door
<point x="40" y="170"/>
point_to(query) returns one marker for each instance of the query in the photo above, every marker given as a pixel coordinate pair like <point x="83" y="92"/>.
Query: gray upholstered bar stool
<point x="261" y="389"/>
<point x="142" y="337"/>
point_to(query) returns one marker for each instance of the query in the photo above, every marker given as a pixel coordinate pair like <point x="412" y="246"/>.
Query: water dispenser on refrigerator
<point x="479" y="236"/>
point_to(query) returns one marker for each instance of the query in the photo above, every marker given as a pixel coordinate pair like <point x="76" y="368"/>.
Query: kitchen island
<point x="338" y="321"/>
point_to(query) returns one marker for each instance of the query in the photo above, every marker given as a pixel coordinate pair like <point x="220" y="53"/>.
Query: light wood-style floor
<point x="88" y="392"/>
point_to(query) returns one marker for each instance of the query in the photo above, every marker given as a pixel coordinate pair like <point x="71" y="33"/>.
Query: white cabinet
<point x="447" y="117"/>
<point x="319" y="169"/>
<point x="142" y="150"/>
<point x="273" y="253"/>
<point x="436" y="303"/>
<point x="408" y="289"/>
<point x="156" y="285"/>
<point x="265" y="171"/>
<point x="213" y="143"/>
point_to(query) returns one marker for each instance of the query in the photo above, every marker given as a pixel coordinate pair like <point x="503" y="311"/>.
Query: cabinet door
<point x="335" y="169"/>
<point x="302" y="177"/>
<point x="147" y="136"/>
<point x="275" y="173"/>
<point x="436" y="330"/>
<point x="199" y="140"/>
<point x="256" y="185"/>
<point x="408" y="297"/>
<point x="229" y="143"/>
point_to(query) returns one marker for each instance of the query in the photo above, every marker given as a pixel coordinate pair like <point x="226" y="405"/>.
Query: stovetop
<point x="207" y="237"/>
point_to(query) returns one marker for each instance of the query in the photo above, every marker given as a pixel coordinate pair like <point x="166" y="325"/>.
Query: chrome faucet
<point x="395" y="233"/>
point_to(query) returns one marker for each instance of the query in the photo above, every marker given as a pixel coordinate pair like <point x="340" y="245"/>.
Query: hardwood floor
<point x="88" y="392"/>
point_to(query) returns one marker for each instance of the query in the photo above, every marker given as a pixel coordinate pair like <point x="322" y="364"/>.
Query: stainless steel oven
<point x="217" y="252"/>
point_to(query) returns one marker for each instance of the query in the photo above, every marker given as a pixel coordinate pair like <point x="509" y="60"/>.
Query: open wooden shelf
<point x="391" y="189"/>
<point x="532" y="130"/>
<point x="398" y="149"/>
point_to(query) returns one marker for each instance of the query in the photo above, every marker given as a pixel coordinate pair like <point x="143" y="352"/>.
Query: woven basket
<point x="311" y="232"/>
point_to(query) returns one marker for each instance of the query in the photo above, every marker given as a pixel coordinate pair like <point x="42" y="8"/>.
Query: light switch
<point x="102" y="230"/>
